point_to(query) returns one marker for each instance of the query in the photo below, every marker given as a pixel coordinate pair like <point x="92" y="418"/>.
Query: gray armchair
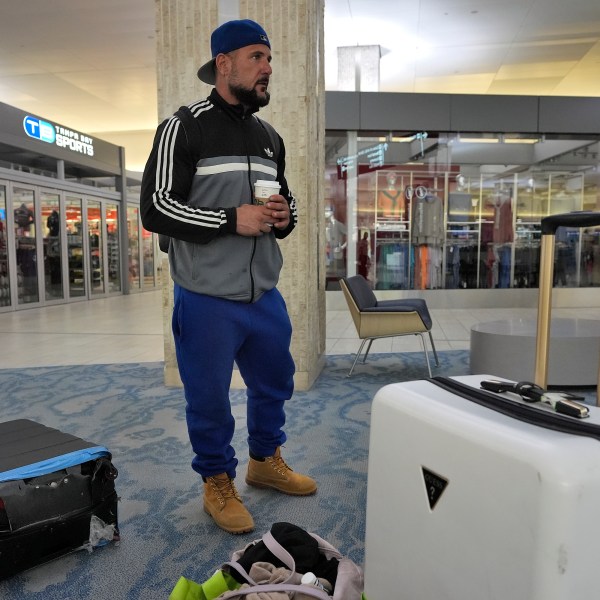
<point x="385" y="318"/>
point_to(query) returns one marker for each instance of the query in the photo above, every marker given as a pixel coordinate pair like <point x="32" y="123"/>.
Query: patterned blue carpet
<point x="164" y="531"/>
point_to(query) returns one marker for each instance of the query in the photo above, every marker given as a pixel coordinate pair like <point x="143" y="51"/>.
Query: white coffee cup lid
<point x="267" y="183"/>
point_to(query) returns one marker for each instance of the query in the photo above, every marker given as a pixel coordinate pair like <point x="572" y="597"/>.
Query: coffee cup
<point x="264" y="189"/>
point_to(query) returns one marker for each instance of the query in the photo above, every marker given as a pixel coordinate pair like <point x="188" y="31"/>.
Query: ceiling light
<point x="510" y="140"/>
<point x="478" y="140"/>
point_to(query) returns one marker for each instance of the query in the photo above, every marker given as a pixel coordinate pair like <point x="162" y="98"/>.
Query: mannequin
<point x="335" y="233"/>
<point x="427" y="235"/>
<point x="503" y="217"/>
<point x="23" y="217"/>
<point x="53" y="223"/>
<point x="390" y="200"/>
<point x="364" y="260"/>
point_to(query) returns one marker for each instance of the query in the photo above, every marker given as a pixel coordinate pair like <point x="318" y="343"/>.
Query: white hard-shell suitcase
<point x="473" y="495"/>
<point x="467" y="503"/>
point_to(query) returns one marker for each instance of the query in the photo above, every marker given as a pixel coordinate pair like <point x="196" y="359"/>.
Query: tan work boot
<point x="223" y="503"/>
<point x="273" y="472"/>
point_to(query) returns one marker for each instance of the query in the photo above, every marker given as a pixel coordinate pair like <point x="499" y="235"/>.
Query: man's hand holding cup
<point x="266" y="193"/>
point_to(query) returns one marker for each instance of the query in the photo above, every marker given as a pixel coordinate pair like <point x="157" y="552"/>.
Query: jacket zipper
<point x="251" y="196"/>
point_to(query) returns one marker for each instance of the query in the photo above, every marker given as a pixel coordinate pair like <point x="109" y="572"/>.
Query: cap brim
<point x="206" y="72"/>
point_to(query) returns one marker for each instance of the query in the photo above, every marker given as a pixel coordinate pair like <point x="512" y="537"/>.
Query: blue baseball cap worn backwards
<point x="228" y="37"/>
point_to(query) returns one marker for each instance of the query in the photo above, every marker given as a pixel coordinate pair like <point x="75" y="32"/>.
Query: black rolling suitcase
<point x="57" y="495"/>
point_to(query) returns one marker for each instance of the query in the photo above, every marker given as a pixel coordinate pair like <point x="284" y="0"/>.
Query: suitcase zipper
<point x="519" y="410"/>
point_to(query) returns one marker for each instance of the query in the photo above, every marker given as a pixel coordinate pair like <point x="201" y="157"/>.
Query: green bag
<point x="212" y="588"/>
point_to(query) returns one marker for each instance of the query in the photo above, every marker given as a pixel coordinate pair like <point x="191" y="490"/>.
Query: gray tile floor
<point x="130" y="329"/>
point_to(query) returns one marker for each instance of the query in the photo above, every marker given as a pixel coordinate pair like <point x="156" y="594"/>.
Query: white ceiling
<point x="91" y="65"/>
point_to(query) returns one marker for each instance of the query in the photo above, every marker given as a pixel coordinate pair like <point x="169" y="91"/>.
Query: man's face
<point x="249" y="75"/>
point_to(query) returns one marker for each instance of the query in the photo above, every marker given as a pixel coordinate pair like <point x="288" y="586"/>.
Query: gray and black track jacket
<point x="195" y="202"/>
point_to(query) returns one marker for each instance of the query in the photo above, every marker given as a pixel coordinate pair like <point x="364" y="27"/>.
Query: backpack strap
<point x="194" y="140"/>
<point x="191" y="129"/>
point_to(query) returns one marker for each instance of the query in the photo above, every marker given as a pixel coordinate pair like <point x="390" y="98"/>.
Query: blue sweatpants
<point x="210" y="334"/>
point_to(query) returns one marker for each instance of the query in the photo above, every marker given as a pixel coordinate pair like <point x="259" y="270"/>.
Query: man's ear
<point x="223" y="64"/>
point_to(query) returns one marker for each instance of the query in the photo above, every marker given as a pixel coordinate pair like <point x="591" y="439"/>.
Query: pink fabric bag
<point x="349" y="583"/>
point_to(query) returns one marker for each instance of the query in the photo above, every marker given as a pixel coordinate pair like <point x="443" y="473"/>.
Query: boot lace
<point x="224" y="489"/>
<point x="279" y="464"/>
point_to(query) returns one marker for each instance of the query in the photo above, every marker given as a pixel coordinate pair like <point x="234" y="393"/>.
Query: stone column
<point x="297" y="111"/>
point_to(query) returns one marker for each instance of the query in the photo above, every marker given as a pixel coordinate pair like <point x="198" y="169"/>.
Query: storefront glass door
<point x="4" y="272"/>
<point x="94" y="224"/>
<point x="148" y="249"/>
<point x="134" y="247"/>
<point x="57" y="246"/>
<point x="50" y="210"/>
<point x="26" y="247"/>
<point x="113" y="248"/>
<point x="74" y="224"/>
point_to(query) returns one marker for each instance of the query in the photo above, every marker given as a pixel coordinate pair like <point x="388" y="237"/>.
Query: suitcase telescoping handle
<point x="549" y="226"/>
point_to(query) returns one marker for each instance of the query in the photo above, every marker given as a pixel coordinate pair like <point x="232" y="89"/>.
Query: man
<point x="225" y="263"/>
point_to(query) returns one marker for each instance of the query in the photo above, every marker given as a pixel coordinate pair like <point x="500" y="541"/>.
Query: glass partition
<point x="26" y="245"/>
<point x="134" y="247"/>
<point x="63" y="242"/>
<point x="113" y="248"/>
<point x="51" y="230"/>
<point x="440" y="210"/>
<point x="95" y="237"/>
<point x="4" y="270"/>
<point x="148" y="250"/>
<point x="75" y="254"/>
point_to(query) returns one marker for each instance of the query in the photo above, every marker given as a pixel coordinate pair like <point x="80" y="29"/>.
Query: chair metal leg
<point x="437" y="362"/>
<point x="356" y="359"/>
<point x="426" y="353"/>
<point x="423" y="343"/>
<point x="367" y="352"/>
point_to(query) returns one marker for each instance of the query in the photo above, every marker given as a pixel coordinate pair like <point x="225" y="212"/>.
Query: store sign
<point x="58" y="135"/>
<point x="40" y="130"/>
<point x="420" y="192"/>
<point x="374" y="156"/>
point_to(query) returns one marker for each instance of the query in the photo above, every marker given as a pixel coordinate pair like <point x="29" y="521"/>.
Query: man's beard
<point x="249" y="98"/>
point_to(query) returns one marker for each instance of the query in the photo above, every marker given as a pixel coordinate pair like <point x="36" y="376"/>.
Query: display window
<point x="95" y="246"/>
<point x="113" y="247"/>
<point x="148" y="257"/>
<point x="75" y="251"/>
<point x="444" y="211"/>
<point x="57" y="247"/>
<point x="24" y="206"/>
<point x="133" y="234"/>
<point x="52" y="240"/>
<point x="5" y="295"/>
